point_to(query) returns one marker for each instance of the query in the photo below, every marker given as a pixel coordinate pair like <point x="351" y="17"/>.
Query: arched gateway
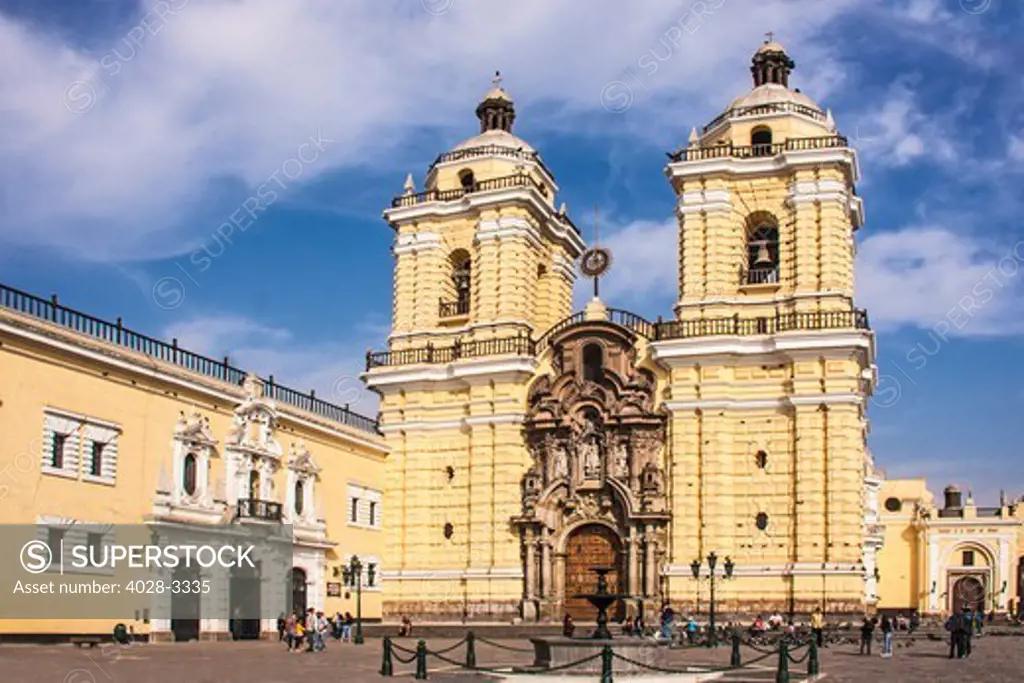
<point x="594" y="494"/>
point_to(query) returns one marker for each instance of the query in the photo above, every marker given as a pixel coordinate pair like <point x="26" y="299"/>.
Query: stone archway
<point x="968" y="592"/>
<point x="587" y="547"/>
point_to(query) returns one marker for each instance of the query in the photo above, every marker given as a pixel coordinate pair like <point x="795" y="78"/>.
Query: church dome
<point x="773" y="93"/>
<point x="499" y="138"/>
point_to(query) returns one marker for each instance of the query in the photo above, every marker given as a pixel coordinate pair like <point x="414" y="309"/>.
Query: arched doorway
<point x="299" y="590"/>
<point x="969" y="592"/>
<point x="185" y="607"/>
<point x="589" y="546"/>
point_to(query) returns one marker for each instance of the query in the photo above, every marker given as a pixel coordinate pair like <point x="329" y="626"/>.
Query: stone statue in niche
<point x="590" y="449"/>
<point x="561" y="467"/>
<point x="620" y="466"/>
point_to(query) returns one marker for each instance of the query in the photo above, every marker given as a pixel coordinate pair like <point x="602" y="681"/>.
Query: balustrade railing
<point x="759" y="276"/>
<point x="452" y="309"/>
<point x="754" y="151"/>
<point x="520" y="345"/>
<point x="762" y="109"/>
<point x="499" y="183"/>
<point x="254" y="508"/>
<point x="115" y="333"/>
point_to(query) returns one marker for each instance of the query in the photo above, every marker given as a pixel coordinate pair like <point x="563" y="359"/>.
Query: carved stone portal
<point x="597" y="449"/>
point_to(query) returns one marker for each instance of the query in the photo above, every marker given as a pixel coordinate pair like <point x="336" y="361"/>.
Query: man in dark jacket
<point x="968" y="631"/>
<point x="867" y="632"/>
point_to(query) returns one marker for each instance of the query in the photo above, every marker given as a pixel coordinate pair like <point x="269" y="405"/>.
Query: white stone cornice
<point x="564" y="266"/>
<point x="704" y="201"/>
<point x="449" y="574"/>
<point x="681" y="352"/>
<point x="751" y="301"/>
<point x="465" y="370"/>
<point x="783" y="403"/>
<point x="787" y="160"/>
<point x="459" y="424"/>
<point x="508" y="227"/>
<point x="410" y="243"/>
<point x="463" y="329"/>
<point x="755" y="570"/>
<point x="529" y="197"/>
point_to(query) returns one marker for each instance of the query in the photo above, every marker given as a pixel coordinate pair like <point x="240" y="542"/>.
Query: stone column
<point x="633" y="566"/>
<point x="650" y="551"/>
<point x="545" y="565"/>
<point x="529" y="538"/>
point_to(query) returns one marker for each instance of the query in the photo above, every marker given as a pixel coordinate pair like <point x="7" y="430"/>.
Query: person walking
<point x="953" y="628"/>
<point x="568" y="627"/>
<point x="309" y="627"/>
<point x="667" y="619"/>
<point x="967" y="630"/>
<point x="886" y="627"/>
<point x="691" y="630"/>
<point x="346" y="627"/>
<point x="818" y="627"/>
<point x="289" y="630"/>
<point x="867" y="633"/>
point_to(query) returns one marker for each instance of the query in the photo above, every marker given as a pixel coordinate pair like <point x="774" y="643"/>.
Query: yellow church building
<point x="520" y="443"/>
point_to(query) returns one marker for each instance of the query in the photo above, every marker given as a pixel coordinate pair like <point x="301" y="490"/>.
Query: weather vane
<point x="596" y="260"/>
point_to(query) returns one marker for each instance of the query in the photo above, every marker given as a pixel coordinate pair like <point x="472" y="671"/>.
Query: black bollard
<point x="606" y="664"/>
<point x="812" y="660"/>
<point x="421" y="661"/>
<point x="735" y="660"/>
<point x="470" y="651"/>
<point x="386" y="668"/>
<point x="782" y="675"/>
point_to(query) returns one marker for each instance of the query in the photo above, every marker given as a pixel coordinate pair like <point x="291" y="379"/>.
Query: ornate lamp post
<point x="353" y="577"/>
<point x="728" y="566"/>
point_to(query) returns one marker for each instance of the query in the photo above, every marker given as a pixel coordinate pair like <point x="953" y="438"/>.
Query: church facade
<point x="529" y="444"/>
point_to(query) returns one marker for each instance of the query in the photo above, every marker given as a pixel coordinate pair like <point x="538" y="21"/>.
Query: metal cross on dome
<point x="596" y="260"/>
<point x="497" y="79"/>
<point x="771" y="36"/>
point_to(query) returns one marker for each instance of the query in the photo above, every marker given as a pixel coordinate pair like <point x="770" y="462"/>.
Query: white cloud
<point x="226" y="90"/>
<point x="329" y="369"/>
<point x="1015" y="148"/>
<point x="897" y="132"/>
<point x="645" y="264"/>
<point x="920" y="276"/>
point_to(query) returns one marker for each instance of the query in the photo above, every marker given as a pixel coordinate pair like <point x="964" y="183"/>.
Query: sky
<point x="132" y="131"/>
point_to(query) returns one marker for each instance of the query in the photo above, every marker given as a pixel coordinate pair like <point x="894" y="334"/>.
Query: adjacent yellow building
<point x="943" y="557"/>
<point x="103" y="425"/>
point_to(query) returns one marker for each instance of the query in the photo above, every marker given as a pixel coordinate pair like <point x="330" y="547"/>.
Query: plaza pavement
<point x="995" y="659"/>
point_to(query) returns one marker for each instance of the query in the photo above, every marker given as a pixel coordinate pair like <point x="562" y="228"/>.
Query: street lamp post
<point x="353" y="576"/>
<point x="728" y="566"/>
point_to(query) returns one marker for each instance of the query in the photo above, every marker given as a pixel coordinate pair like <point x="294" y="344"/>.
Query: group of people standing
<point x="962" y="627"/>
<point x="308" y="632"/>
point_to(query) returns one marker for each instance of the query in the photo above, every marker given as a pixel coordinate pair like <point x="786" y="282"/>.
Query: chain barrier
<point x="703" y="669"/>
<point x="503" y="647"/>
<point x="453" y="647"/>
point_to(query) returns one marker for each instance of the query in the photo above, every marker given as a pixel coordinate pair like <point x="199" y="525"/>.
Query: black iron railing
<point x="754" y="151"/>
<point x="656" y="331"/>
<point x="762" y="109"/>
<point x="117" y="334"/>
<point x="254" y="508"/>
<point x="500" y="183"/>
<point x="776" y="324"/>
<point x="452" y="309"/>
<point x="759" y="276"/>
<point x="520" y="345"/>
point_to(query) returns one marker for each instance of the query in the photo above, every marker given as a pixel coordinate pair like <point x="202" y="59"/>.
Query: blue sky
<point x="130" y="131"/>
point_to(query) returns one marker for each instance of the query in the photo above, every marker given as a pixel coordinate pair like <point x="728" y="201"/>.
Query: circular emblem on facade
<point x="595" y="261"/>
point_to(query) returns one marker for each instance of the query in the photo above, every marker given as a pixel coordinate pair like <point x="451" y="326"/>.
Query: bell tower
<point x="771" y="364"/>
<point x="484" y="264"/>
<point x="482" y="245"/>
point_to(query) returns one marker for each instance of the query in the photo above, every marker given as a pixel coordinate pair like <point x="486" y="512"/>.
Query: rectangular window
<point x="968" y="558"/>
<point x="96" y="464"/>
<point x="373" y="513"/>
<point x="355" y="510"/>
<point x="57" y="453"/>
<point x="54" y="538"/>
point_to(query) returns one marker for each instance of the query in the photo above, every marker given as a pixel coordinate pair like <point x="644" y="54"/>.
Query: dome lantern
<point x="771" y="64"/>
<point x="496" y="111"/>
